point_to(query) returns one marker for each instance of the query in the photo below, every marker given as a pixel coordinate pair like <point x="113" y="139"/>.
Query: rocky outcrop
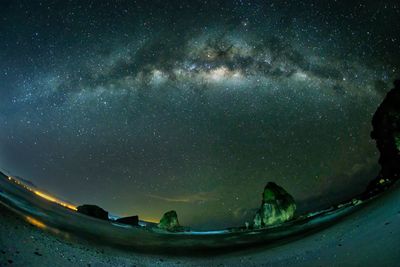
<point x="277" y="206"/>
<point x="169" y="222"/>
<point x="93" y="211"/>
<point x="386" y="133"/>
<point x="131" y="220"/>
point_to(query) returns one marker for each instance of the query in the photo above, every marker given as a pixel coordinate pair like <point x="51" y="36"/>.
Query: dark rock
<point x="386" y="133"/>
<point x="169" y="221"/>
<point x="277" y="206"/>
<point x="3" y="175"/>
<point x="93" y="211"/>
<point x="132" y="220"/>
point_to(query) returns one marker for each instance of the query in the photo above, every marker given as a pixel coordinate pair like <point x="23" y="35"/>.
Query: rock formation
<point x="169" y="222"/>
<point x="277" y="207"/>
<point x="93" y="211"/>
<point x="131" y="220"/>
<point x="386" y="133"/>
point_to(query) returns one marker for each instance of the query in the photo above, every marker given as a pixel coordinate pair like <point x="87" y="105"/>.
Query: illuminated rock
<point x="93" y="211"/>
<point x="169" y="222"/>
<point x="277" y="206"/>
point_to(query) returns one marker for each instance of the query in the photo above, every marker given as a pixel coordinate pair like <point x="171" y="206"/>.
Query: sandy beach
<point x="368" y="237"/>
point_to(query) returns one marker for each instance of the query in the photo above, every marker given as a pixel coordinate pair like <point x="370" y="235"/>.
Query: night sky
<point x="146" y="106"/>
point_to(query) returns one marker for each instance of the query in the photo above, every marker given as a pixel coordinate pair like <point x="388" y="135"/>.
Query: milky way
<point x="194" y="106"/>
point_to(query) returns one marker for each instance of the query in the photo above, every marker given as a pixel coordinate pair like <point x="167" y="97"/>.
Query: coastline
<point x="369" y="236"/>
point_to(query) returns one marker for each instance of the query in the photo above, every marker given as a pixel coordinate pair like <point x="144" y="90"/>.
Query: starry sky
<point x="146" y="106"/>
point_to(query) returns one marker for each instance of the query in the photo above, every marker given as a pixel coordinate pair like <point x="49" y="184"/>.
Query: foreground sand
<point x="369" y="237"/>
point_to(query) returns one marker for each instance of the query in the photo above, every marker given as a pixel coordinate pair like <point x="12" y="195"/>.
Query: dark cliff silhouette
<point x="386" y="133"/>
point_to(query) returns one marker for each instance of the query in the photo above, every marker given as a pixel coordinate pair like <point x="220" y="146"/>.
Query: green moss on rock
<point x="277" y="206"/>
<point x="169" y="221"/>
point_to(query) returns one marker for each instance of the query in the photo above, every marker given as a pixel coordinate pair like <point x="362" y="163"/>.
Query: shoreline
<point x="369" y="236"/>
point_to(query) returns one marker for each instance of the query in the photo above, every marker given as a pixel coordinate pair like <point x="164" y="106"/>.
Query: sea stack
<point x="93" y="211"/>
<point x="169" y="221"/>
<point x="277" y="206"/>
<point x="131" y="220"/>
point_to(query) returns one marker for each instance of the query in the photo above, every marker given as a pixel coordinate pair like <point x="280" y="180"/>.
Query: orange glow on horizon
<point x="42" y="195"/>
<point x="151" y="220"/>
<point x="53" y="199"/>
